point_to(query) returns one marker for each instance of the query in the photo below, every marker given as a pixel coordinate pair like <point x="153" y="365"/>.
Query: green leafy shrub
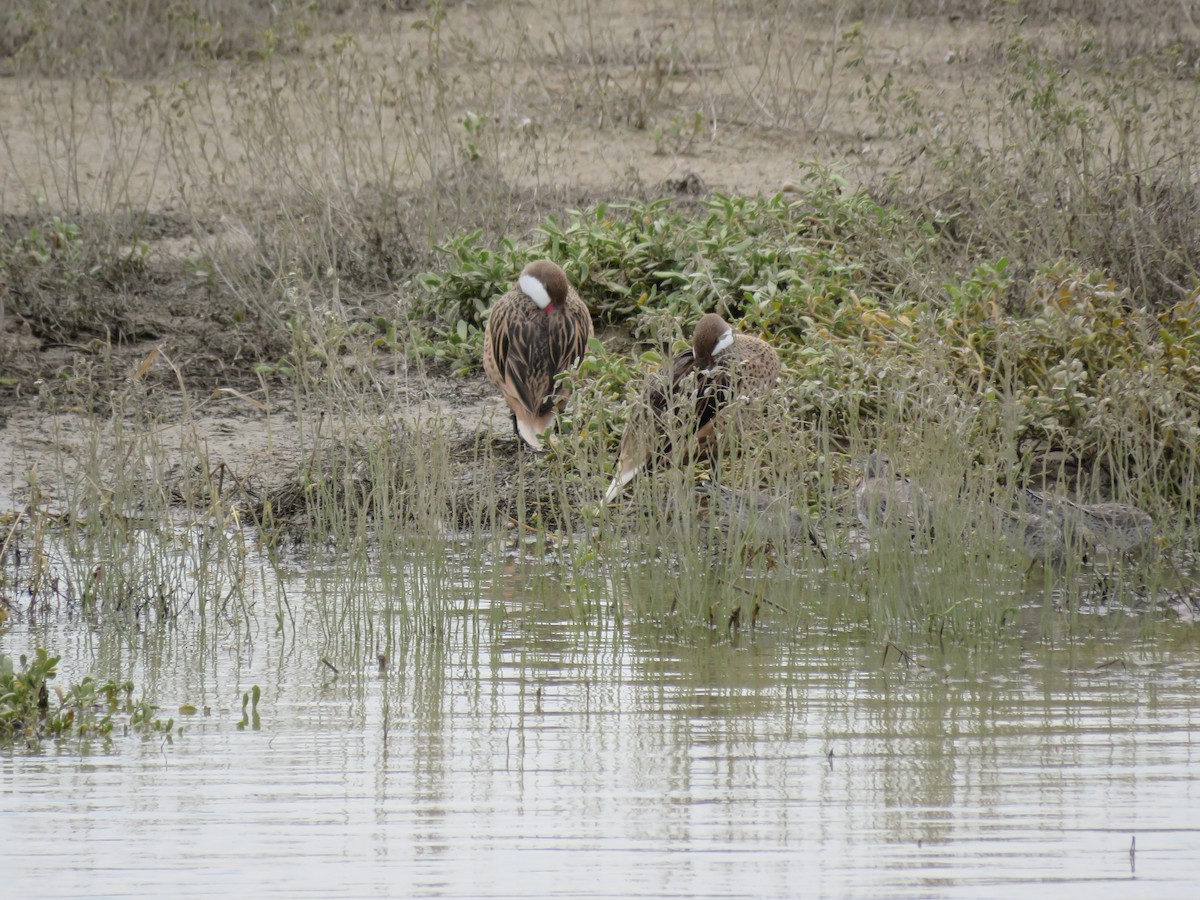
<point x="1059" y="359"/>
<point x="31" y="710"/>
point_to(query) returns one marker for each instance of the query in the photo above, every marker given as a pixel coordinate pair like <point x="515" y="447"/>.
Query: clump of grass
<point x="1084" y="156"/>
<point x="998" y="294"/>
<point x="64" y="282"/>
<point x="102" y="532"/>
<point x="987" y="374"/>
<point x="865" y="366"/>
<point x="650" y="264"/>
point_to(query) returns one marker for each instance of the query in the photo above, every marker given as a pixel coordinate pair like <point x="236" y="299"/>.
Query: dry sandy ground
<point x="600" y="99"/>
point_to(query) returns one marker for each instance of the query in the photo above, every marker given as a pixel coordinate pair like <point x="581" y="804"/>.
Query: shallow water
<point x="528" y="753"/>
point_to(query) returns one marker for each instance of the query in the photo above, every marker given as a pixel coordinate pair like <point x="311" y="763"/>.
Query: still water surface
<point x="527" y="754"/>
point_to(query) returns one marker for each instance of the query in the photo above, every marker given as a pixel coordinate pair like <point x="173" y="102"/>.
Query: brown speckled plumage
<point x="885" y="500"/>
<point x="526" y="346"/>
<point x="1038" y="537"/>
<point x="704" y="391"/>
<point x="1118" y="527"/>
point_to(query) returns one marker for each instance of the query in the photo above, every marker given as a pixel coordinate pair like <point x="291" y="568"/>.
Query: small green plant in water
<point x="250" y="709"/>
<point x="30" y="710"/>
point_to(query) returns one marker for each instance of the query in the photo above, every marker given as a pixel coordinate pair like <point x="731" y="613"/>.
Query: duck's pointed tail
<point x="623" y="477"/>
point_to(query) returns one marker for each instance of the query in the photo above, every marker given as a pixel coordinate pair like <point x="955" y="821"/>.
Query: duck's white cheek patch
<point x="723" y="343"/>
<point x="534" y="290"/>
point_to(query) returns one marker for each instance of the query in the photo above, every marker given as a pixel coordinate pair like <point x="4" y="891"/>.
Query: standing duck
<point x="535" y="332"/>
<point x="695" y="398"/>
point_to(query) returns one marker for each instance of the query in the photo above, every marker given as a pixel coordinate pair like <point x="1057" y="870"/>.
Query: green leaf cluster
<point x="31" y="710"/>
<point x="855" y="295"/>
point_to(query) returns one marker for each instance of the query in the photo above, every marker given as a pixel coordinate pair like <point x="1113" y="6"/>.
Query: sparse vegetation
<point x="991" y="265"/>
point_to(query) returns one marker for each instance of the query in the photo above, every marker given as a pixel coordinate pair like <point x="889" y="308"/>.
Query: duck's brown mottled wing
<point x="712" y="395"/>
<point x="495" y="341"/>
<point x="669" y="400"/>
<point x="521" y="357"/>
<point x="570" y="331"/>
<point x="511" y="352"/>
<point x="521" y="375"/>
<point x="662" y="393"/>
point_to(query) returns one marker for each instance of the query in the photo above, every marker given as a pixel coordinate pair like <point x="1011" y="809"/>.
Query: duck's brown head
<point x="713" y="335"/>
<point x="545" y="284"/>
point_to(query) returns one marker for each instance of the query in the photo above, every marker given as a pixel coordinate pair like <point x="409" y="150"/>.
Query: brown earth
<point x="608" y="99"/>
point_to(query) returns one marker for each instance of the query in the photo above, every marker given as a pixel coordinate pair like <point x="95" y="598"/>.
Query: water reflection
<point x="512" y="747"/>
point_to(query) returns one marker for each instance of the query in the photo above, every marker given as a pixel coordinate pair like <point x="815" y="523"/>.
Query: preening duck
<point x="717" y="382"/>
<point x="535" y="332"/>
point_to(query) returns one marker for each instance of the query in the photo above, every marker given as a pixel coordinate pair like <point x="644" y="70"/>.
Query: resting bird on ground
<point x="757" y="513"/>
<point x="1118" y="527"/>
<point x="711" y="388"/>
<point x="536" y="331"/>
<point x="885" y="500"/>
<point x="1038" y="537"/>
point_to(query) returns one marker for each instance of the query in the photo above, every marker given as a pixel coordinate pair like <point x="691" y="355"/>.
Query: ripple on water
<point x="539" y="757"/>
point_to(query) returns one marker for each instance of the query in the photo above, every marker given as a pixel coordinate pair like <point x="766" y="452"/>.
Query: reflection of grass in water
<point x="133" y="518"/>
